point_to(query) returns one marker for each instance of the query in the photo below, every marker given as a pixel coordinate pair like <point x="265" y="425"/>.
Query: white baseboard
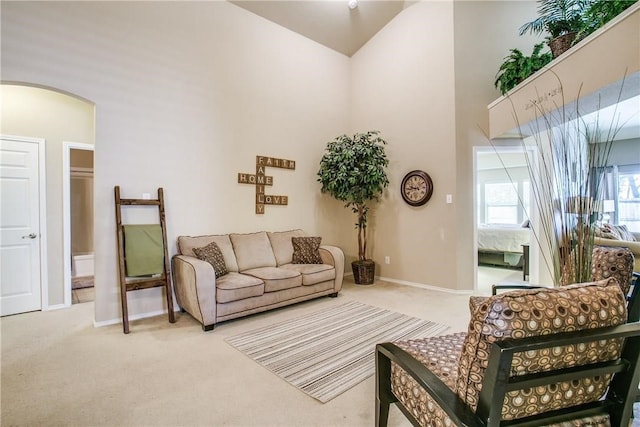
<point x="55" y="307"/>
<point x="424" y="286"/>
<point x="131" y="317"/>
<point x="421" y="285"/>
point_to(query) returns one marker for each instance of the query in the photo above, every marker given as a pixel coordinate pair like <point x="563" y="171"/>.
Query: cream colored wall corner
<point x="185" y="107"/>
<point x="56" y="117"/>
<point x="428" y="96"/>
<point x="485" y="31"/>
<point x="403" y="85"/>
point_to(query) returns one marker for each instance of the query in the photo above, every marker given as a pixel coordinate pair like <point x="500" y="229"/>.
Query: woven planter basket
<point x="363" y="272"/>
<point x="561" y="44"/>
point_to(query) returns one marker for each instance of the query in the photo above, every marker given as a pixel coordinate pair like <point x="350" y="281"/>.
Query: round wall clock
<point x="416" y="188"/>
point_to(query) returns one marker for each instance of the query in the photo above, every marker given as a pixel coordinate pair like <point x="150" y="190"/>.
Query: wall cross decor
<point x="260" y="180"/>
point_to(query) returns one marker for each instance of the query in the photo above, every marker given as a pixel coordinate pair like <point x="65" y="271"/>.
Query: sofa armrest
<point x="333" y="255"/>
<point x="634" y="246"/>
<point x="194" y="282"/>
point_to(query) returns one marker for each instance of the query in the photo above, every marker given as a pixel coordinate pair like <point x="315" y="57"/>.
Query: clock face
<point x="416" y="188"/>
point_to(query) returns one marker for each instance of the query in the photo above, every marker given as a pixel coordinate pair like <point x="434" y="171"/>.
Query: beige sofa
<point x="634" y="246"/>
<point x="261" y="275"/>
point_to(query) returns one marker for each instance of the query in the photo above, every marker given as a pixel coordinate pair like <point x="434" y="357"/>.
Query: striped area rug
<point x="327" y="352"/>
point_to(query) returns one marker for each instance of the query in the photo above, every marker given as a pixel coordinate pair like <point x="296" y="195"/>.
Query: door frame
<point x="533" y="214"/>
<point x="42" y="212"/>
<point x="67" y="146"/>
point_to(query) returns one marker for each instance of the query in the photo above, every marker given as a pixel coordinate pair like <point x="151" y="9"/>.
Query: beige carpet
<point x="58" y="370"/>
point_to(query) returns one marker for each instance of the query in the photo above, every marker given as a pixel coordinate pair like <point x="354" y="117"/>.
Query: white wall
<point x="186" y="95"/>
<point x="425" y="81"/>
<point x="55" y="117"/>
<point x="403" y="85"/>
<point x="485" y="31"/>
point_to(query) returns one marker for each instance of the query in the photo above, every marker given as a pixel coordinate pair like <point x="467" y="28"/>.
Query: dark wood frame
<point x="618" y="401"/>
<point x="128" y="285"/>
<point x="427" y="180"/>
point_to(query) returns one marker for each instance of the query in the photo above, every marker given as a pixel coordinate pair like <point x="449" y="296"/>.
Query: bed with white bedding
<point x="501" y="244"/>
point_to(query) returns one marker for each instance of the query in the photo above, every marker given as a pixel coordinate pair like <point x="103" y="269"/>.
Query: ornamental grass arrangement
<point x="566" y="158"/>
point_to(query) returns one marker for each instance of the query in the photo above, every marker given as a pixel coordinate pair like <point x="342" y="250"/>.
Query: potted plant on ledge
<point x="353" y="170"/>
<point x="561" y="19"/>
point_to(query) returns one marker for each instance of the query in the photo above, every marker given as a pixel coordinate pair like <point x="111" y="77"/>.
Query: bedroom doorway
<point x="502" y="199"/>
<point x="78" y="222"/>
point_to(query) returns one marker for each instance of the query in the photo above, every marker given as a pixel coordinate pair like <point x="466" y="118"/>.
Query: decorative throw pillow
<point x="305" y="250"/>
<point x="606" y="231"/>
<point x="213" y="255"/>
<point x="624" y="233"/>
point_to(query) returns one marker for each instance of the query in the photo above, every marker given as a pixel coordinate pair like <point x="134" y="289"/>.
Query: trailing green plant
<point x="517" y="67"/>
<point x="353" y="170"/>
<point x="557" y="17"/>
<point x="599" y="13"/>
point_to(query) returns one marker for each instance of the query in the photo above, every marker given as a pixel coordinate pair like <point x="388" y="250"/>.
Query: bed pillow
<point x="306" y="250"/>
<point x="213" y="255"/>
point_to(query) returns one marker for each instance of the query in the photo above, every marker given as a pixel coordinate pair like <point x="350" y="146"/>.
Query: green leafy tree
<point x="353" y="170"/>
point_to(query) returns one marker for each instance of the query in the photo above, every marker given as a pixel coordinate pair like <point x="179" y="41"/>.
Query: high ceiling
<point x="329" y="22"/>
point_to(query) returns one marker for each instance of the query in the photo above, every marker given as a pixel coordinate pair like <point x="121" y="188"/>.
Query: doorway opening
<point x="78" y="222"/>
<point x="502" y="200"/>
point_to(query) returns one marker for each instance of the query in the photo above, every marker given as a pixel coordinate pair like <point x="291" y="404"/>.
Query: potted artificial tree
<point x="561" y="19"/>
<point x="352" y="170"/>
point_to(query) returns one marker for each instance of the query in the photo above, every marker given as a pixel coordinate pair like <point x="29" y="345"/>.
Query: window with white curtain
<point x="628" y="200"/>
<point x="621" y="194"/>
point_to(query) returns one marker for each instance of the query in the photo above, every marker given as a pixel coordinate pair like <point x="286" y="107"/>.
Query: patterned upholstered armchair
<point x="530" y="357"/>
<point x="618" y="262"/>
<point x="606" y="262"/>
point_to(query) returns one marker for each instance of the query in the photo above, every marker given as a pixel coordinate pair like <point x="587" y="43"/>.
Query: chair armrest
<point x="496" y="288"/>
<point x="449" y="402"/>
<point x="333" y="255"/>
<point x="194" y="282"/>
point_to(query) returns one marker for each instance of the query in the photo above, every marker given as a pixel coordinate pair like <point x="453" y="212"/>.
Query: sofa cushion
<point x="276" y="279"/>
<point x="313" y="273"/>
<point x="252" y="250"/>
<point x="534" y="312"/>
<point x="212" y="254"/>
<point x="305" y="250"/>
<point x="282" y="246"/>
<point x="237" y="286"/>
<point x="186" y="244"/>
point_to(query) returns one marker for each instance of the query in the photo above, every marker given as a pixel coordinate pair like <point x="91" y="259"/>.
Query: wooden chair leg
<point x="384" y="396"/>
<point x="382" y="413"/>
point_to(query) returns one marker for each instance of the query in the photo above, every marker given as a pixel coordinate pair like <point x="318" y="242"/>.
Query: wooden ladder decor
<point x="134" y="284"/>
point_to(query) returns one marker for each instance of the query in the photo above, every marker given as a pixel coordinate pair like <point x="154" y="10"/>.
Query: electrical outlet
<point x="387" y="259"/>
<point x="146" y="196"/>
<point x="449" y="199"/>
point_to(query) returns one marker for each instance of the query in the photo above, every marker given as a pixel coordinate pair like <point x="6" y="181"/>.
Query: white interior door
<point x="20" y="282"/>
